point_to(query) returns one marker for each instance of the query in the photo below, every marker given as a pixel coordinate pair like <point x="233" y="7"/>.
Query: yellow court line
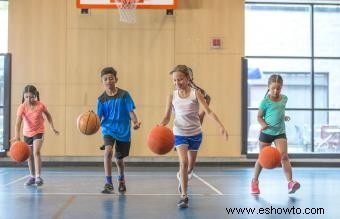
<point x="63" y="208"/>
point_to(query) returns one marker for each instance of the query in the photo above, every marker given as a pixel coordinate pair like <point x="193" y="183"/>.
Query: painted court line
<point x="69" y="201"/>
<point x="108" y="195"/>
<point x="15" y="181"/>
<point x="102" y="175"/>
<point x="208" y="184"/>
<point x="68" y="174"/>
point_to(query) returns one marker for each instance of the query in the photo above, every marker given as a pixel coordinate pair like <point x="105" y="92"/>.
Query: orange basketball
<point x="160" y="140"/>
<point x="88" y="123"/>
<point x="19" y="151"/>
<point x="269" y="157"/>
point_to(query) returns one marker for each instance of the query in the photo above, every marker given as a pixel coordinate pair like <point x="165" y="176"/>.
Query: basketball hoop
<point x="127" y="10"/>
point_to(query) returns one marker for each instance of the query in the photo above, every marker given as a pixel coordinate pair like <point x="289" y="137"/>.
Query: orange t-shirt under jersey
<point x="33" y="118"/>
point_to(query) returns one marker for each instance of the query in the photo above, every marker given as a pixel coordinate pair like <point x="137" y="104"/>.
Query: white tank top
<point x="186" y="110"/>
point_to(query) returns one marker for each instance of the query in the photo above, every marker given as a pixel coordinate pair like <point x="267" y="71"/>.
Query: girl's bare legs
<point x="258" y="167"/>
<point x="257" y="170"/>
<point x="192" y="155"/>
<point x="182" y="152"/>
<point x="281" y="145"/>
<point x="31" y="180"/>
<point x="31" y="162"/>
<point x="37" y="144"/>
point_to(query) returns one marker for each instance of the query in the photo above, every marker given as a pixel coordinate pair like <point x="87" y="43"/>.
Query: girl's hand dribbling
<point x="14" y="139"/>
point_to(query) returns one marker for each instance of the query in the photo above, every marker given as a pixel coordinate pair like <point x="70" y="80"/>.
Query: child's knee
<point x="284" y="157"/>
<point x="108" y="154"/>
<point x="36" y="153"/>
<point x="184" y="164"/>
<point x="119" y="161"/>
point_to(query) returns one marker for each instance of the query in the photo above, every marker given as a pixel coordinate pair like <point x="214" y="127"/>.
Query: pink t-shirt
<point x="33" y="118"/>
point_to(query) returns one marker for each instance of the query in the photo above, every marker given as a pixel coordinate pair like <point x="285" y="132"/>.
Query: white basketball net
<point x="127" y="10"/>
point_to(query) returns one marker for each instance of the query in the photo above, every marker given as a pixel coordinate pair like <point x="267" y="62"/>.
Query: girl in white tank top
<point x="184" y="103"/>
<point x="187" y="121"/>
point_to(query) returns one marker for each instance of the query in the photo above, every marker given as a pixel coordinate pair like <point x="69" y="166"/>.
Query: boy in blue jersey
<point x="115" y="109"/>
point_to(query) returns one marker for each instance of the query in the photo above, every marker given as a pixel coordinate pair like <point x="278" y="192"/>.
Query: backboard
<point x="147" y="4"/>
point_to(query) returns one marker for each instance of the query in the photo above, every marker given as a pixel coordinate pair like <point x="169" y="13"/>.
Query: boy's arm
<point x="211" y="114"/>
<point x="167" y="113"/>
<point x="134" y="119"/>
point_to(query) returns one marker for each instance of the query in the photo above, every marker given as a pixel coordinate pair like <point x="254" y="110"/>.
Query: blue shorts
<point x="193" y="142"/>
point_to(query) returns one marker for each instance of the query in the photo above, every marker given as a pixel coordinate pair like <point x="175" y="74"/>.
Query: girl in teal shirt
<point x="271" y="116"/>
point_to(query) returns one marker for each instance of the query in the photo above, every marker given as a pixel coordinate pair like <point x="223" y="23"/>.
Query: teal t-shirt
<point x="274" y="115"/>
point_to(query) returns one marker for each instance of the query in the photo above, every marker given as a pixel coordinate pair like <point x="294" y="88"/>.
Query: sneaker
<point x="183" y="202"/>
<point x="122" y="186"/>
<point x="39" y="181"/>
<point x="30" y="181"/>
<point x="255" y="187"/>
<point x="108" y="189"/>
<point x="293" y="186"/>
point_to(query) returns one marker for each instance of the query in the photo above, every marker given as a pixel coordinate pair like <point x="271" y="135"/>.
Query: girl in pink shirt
<point x="31" y="113"/>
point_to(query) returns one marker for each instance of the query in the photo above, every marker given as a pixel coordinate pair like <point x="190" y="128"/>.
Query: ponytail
<point x="194" y="86"/>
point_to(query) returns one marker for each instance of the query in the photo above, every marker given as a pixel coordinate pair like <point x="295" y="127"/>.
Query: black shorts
<point x="122" y="148"/>
<point x="29" y="140"/>
<point x="270" y="138"/>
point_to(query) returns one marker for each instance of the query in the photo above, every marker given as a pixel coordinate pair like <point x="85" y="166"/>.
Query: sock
<point x="120" y="178"/>
<point x="109" y="179"/>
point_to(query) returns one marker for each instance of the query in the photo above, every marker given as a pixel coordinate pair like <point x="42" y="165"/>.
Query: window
<point x="3" y="26"/>
<point x="4" y="60"/>
<point x="5" y="63"/>
<point x="301" y="43"/>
